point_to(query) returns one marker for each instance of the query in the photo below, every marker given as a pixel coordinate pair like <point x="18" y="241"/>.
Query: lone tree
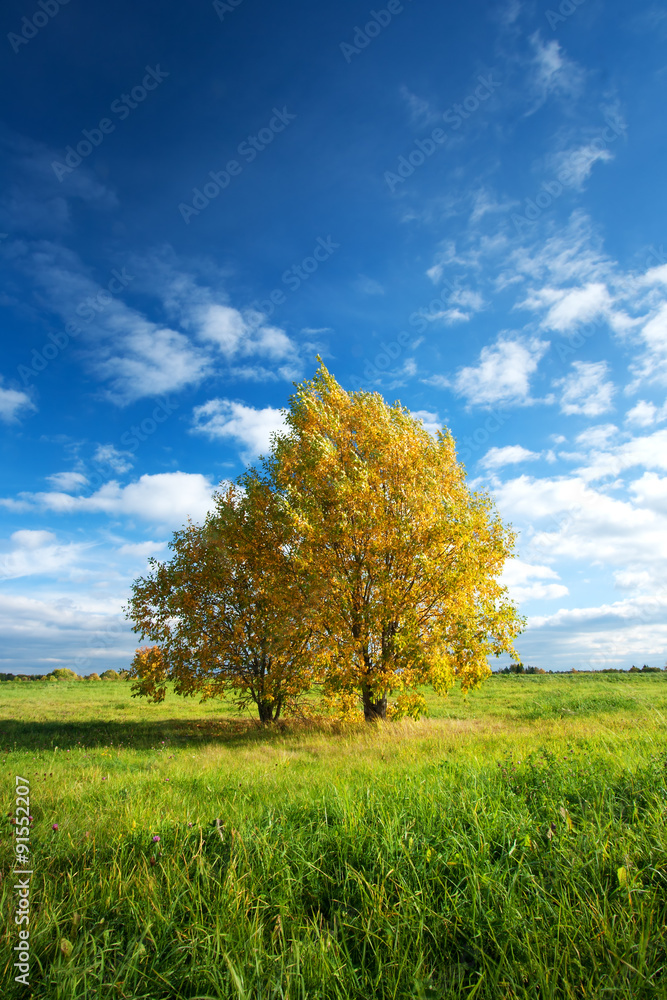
<point x="225" y="613"/>
<point x="402" y="558"/>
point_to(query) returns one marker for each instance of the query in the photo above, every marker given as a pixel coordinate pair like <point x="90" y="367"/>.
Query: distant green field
<point x="511" y="845"/>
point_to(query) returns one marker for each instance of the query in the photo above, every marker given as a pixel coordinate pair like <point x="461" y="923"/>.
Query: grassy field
<point x="512" y="845"/>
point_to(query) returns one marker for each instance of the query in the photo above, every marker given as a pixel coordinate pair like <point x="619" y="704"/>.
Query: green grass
<point x="511" y="845"/>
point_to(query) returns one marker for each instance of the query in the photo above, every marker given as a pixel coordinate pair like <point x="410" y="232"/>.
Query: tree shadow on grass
<point x="143" y="734"/>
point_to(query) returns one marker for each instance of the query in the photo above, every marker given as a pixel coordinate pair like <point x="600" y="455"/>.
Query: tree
<point x="225" y="612"/>
<point x="405" y="556"/>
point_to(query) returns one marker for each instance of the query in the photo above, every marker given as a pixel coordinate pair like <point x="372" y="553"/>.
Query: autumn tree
<point x="224" y="613"/>
<point x="403" y="557"/>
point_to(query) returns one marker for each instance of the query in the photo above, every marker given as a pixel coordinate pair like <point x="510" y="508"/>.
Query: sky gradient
<point x="460" y="206"/>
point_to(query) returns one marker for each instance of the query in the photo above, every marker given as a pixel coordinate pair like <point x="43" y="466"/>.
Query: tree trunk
<point x="265" y="709"/>
<point x="374" y="710"/>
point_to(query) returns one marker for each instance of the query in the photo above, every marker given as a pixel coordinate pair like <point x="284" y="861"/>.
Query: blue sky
<point x="461" y="206"/>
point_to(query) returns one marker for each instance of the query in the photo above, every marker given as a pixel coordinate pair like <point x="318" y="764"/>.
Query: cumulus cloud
<point x="430" y="420"/>
<point x="67" y="482"/>
<point x="586" y="390"/>
<point x="526" y="582"/>
<point x="649" y="451"/>
<point x="568" y="307"/>
<point x="225" y="419"/>
<point x="37" y="553"/>
<point x="644" y="414"/>
<point x="511" y="454"/>
<point x="167" y="498"/>
<point x="502" y="374"/>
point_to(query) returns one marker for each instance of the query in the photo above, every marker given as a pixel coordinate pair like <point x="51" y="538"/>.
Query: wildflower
<point x="155" y="839"/>
<point x="189" y="824"/>
<point x="54" y="826"/>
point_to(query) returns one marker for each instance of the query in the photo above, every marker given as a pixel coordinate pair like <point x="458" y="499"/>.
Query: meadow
<point x="511" y="845"/>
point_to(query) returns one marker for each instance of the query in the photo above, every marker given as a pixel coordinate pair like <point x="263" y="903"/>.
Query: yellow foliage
<point x="226" y="612"/>
<point x="402" y="560"/>
<point x="357" y="558"/>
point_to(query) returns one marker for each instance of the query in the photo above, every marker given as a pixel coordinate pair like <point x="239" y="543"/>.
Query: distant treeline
<point x="519" y="668"/>
<point x="63" y="674"/>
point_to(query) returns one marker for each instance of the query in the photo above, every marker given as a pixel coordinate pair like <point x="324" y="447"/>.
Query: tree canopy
<point x="355" y="555"/>
<point x="408" y="556"/>
<point x="224" y="613"/>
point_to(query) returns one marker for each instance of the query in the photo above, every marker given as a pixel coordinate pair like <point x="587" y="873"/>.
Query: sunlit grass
<point x="511" y="845"/>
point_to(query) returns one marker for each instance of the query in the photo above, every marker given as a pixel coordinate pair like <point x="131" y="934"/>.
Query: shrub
<point x="64" y="674"/>
<point x="110" y="675"/>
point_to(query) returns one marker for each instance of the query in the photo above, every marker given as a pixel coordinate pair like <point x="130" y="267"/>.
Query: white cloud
<point x="653" y="366"/>
<point x="567" y="519"/>
<point x="568" y="307"/>
<point x="649" y="451"/>
<point x="585" y="390"/>
<point x="511" y="454"/>
<point x="37" y="553"/>
<point x="484" y="203"/>
<point x="167" y="498"/>
<point x="578" y="163"/>
<point x="154" y="360"/>
<point x="503" y="373"/>
<point x="85" y="632"/>
<point x="108" y="454"/>
<point x="525" y="582"/>
<point x="13" y="402"/>
<point x="368" y="286"/>
<point x="552" y="72"/>
<point x="141" y="549"/>
<point x="597" y="436"/>
<point x="431" y="421"/>
<point x="644" y="414"/>
<point x="138" y="357"/>
<point x="228" y="420"/>
<point x="67" y="482"/>
<point x="651" y="491"/>
<point x="449" y="316"/>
